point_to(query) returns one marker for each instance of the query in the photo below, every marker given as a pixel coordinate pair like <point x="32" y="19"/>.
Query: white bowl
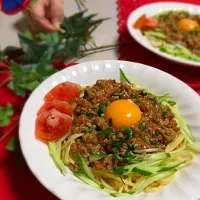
<point x="156" y="8"/>
<point x="185" y="185"/>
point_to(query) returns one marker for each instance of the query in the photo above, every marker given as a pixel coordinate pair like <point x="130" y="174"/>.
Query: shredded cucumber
<point x="55" y="153"/>
<point x="156" y="34"/>
<point x="143" y="182"/>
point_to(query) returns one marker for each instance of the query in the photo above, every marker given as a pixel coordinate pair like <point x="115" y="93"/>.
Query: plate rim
<point x="23" y="148"/>
<point x="173" y="59"/>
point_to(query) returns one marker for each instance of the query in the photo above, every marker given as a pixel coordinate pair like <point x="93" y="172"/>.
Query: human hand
<point x="45" y="15"/>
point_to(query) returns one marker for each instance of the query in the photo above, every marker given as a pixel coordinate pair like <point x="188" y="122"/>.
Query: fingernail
<point x="57" y="25"/>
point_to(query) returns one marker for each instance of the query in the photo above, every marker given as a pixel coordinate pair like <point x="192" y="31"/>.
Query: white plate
<point x="185" y="186"/>
<point x="155" y="8"/>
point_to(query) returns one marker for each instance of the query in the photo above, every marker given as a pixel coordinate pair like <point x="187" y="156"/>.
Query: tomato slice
<point x="139" y="23"/>
<point x="66" y="91"/>
<point x="52" y="125"/>
<point x="150" y="23"/>
<point x="62" y="106"/>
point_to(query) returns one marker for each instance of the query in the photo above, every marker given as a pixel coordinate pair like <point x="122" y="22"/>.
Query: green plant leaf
<point x="23" y="80"/>
<point x="33" y="51"/>
<point x="54" y="38"/>
<point x="12" y="144"/>
<point x="79" y="26"/>
<point x="5" y="114"/>
<point x="27" y="34"/>
<point x="72" y="47"/>
<point x="45" y="68"/>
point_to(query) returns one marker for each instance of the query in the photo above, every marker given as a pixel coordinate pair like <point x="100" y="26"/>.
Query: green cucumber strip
<point x="83" y="167"/>
<point x="172" y="165"/>
<point x="156" y="34"/>
<point x="55" y="153"/>
<point x="145" y="171"/>
<point x="143" y="182"/>
<point x="148" y="171"/>
<point x="125" y="79"/>
<point x="159" y="156"/>
<point x="88" y="181"/>
<point x="127" y="169"/>
<point x="95" y="157"/>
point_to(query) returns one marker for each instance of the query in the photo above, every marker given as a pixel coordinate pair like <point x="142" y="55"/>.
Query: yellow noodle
<point x="106" y="185"/>
<point x="177" y="149"/>
<point x="172" y="145"/>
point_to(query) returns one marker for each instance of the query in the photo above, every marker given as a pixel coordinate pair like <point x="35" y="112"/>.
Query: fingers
<point x="38" y="21"/>
<point x="45" y="15"/>
<point x="56" y="12"/>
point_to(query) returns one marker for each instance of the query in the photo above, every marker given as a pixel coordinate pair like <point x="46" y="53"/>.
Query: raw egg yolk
<point x="188" y="25"/>
<point x="123" y="113"/>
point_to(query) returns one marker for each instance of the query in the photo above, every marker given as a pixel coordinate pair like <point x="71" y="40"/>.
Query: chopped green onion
<point x="117" y="94"/>
<point x="102" y="115"/>
<point x="89" y="130"/>
<point x="108" y="102"/>
<point x="172" y="103"/>
<point x="128" y="156"/>
<point x="145" y="91"/>
<point x="117" y="132"/>
<point x="91" y="115"/>
<point x="142" y="126"/>
<point x="101" y="109"/>
<point x="119" y="170"/>
<point x="127" y="132"/>
<point x="157" y="132"/>
<point x="133" y="146"/>
<point x="110" y="122"/>
<point x="164" y="114"/>
<point x="106" y="131"/>
<point x="83" y="113"/>
<point x="116" y="143"/>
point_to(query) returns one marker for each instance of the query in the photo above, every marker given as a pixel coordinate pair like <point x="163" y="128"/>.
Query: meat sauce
<point x="168" y="24"/>
<point x="156" y="129"/>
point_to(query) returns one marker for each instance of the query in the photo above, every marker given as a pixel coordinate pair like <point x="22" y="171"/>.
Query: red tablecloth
<point x="16" y="180"/>
<point x="135" y="52"/>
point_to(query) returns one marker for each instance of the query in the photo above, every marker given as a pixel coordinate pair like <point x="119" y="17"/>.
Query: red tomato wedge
<point x="62" y="106"/>
<point x="150" y="23"/>
<point x="139" y="23"/>
<point x="52" y="125"/>
<point x="66" y="91"/>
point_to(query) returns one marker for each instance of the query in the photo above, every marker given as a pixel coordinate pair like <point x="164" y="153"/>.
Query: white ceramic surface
<point x="156" y="8"/>
<point x="185" y="185"/>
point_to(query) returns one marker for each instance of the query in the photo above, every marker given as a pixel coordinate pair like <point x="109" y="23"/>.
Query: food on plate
<point x="115" y="136"/>
<point x="174" y="32"/>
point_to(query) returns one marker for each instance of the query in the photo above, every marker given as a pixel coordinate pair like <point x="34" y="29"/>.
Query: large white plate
<point x="185" y="186"/>
<point x="155" y="8"/>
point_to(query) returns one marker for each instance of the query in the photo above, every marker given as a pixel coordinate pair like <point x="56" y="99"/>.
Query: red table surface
<point x="16" y="180"/>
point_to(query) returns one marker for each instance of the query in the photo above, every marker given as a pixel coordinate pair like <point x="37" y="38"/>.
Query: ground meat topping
<point x="155" y="129"/>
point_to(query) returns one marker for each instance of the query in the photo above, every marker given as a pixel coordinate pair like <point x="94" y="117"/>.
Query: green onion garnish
<point x="145" y="91"/>
<point x="157" y="132"/>
<point x="91" y="115"/>
<point x="102" y="115"/>
<point x="142" y="126"/>
<point x="110" y="122"/>
<point x="117" y="132"/>
<point x="172" y="103"/>
<point x="106" y="131"/>
<point x="117" y="94"/>
<point x="101" y="109"/>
